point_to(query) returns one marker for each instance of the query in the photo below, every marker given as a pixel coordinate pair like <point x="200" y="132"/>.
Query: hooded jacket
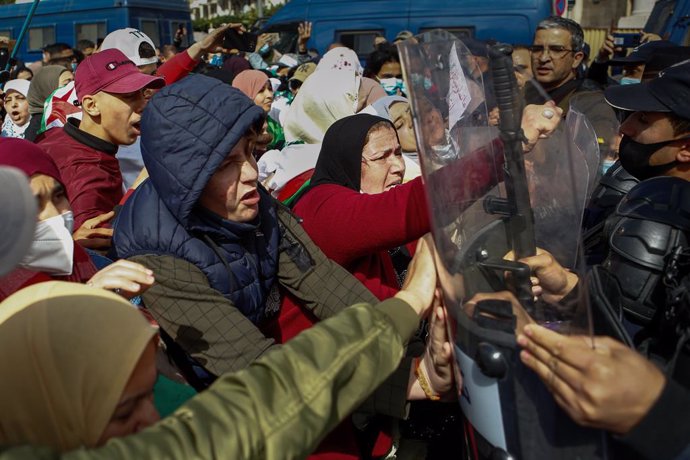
<point x="191" y="142"/>
<point x="213" y="276"/>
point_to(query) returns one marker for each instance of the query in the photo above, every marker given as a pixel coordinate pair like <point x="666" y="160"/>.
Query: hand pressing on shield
<point x="607" y="386"/>
<point x="539" y="122"/>
<point x="431" y="375"/>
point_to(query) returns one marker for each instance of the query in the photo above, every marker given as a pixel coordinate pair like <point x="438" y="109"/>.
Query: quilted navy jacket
<point x="188" y="130"/>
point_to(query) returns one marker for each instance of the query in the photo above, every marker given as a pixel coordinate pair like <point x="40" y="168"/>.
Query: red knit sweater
<point x="356" y="230"/>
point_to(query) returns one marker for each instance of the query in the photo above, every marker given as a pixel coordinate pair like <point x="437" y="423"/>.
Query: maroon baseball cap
<point x="110" y="71"/>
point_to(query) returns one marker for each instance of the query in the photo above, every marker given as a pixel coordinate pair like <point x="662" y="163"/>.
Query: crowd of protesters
<point x="259" y="219"/>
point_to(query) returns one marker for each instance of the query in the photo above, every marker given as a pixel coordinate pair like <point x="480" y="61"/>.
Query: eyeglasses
<point x="555" y="51"/>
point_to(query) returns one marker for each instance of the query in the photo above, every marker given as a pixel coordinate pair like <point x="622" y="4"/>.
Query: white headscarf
<point x="325" y="97"/>
<point x="10" y="128"/>
<point x="340" y="58"/>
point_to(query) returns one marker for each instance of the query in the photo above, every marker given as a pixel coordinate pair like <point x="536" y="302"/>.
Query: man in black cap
<point x="656" y="136"/>
<point x="642" y="64"/>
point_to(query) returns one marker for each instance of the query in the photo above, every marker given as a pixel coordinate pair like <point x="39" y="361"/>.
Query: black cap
<point x="669" y="92"/>
<point x="643" y="53"/>
<point x="666" y="58"/>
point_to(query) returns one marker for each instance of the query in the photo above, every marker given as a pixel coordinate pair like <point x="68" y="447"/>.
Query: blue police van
<point x="69" y="21"/>
<point x="355" y="23"/>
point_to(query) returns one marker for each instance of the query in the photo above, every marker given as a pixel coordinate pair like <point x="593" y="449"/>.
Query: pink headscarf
<point x="370" y="91"/>
<point x="250" y="82"/>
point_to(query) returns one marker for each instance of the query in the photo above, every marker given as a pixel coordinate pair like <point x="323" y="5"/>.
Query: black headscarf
<point x="340" y="159"/>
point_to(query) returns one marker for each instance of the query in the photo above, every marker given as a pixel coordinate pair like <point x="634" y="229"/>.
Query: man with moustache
<point x="557" y="52"/>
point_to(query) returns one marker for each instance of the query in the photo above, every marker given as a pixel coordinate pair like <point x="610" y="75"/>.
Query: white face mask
<point x="52" y="250"/>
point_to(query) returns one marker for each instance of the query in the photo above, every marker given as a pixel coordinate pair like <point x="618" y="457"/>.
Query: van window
<point x="40" y="37"/>
<point x="92" y="31"/>
<point x="150" y="28"/>
<point x="361" y="41"/>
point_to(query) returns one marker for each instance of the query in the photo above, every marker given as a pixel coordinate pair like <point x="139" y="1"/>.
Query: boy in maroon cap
<point x="110" y="89"/>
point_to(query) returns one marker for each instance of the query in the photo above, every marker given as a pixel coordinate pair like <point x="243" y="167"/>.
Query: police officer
<point x="655" y="142"/>
<point x="642" y="396"/>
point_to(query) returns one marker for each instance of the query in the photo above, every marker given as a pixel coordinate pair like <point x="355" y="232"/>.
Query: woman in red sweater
<point x="358" y="211"/>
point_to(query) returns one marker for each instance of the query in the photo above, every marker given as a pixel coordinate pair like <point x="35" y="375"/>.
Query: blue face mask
<point x="74" y="67"/>
<point x="605" y="165"/>
<point x="392" y="85"/>
<point x="217" y="60"/>
<point x="630" y="81"/>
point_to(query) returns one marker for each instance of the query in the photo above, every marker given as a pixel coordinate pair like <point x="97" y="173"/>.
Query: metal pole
<point x="25" y="27"/>
<point x="259" y="9"/>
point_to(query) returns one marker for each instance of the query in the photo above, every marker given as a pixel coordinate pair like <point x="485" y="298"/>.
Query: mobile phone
<point x="240" y="41"/>
<point x="627" y="40"/>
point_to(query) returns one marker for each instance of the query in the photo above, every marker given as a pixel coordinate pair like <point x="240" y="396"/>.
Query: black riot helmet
<point x="650" y="224"/>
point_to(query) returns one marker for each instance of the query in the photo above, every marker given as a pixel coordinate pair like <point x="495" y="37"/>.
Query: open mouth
<point x="394" y="184"/>
<point x="137" y="127"/>
<point x="251" y="197"/>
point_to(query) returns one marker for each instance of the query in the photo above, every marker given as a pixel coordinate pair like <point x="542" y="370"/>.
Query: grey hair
<point x="577" y="36"/>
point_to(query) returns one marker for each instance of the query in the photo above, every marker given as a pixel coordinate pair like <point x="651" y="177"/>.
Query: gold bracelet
<point x="423" y="382"/>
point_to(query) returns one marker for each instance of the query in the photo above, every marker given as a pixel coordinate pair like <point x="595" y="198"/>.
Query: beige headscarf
<point x="325" y="97"/>
<point x="42" y="85"/>
<point x="67" y="351"/>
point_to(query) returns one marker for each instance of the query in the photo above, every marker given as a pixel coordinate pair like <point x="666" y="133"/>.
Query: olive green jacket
<point x="280" y="406"/>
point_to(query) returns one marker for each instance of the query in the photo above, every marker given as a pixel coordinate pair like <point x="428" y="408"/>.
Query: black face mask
<point x="635" y="158"/>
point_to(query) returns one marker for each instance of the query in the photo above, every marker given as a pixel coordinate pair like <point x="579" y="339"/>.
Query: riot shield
<point x="585" y="143"/>
<point x="491" y="204"/>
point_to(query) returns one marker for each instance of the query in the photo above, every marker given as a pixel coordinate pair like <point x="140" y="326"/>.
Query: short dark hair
<point x="85" y="44"/>
<point x="377" y="58"/>
<point x="679" y="125"/>
<point x="56" y="48"/>
<point x="577" y="35"/>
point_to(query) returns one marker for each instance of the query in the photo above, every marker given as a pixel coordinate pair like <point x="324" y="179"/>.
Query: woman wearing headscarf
<point x="17" y="116"/>
<point x="341" y="58"/>
<point x="54" y="255"/>
<point x="236" y="64"/>
<point x="50" y="78"/>
<point x="335" y="90"/>
<point x="76" y="381"/>
<point x="71" y="363"/>
<point x="356" y="208"/>
<point x="257" y="86"/>
<point x="397" y="110"/>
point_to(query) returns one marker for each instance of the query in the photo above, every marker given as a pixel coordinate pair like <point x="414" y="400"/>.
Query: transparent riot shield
<point x="585" y="142"/>
<point x="491" y="204"/>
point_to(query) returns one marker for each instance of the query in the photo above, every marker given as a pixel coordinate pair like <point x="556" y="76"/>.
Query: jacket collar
<point x="72" y="129"/>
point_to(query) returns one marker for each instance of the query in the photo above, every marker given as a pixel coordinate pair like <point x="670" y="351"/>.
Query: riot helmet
<point x="649" y="225"/>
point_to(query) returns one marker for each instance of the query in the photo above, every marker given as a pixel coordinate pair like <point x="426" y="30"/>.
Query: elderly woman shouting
<point x="356" y="207"/>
